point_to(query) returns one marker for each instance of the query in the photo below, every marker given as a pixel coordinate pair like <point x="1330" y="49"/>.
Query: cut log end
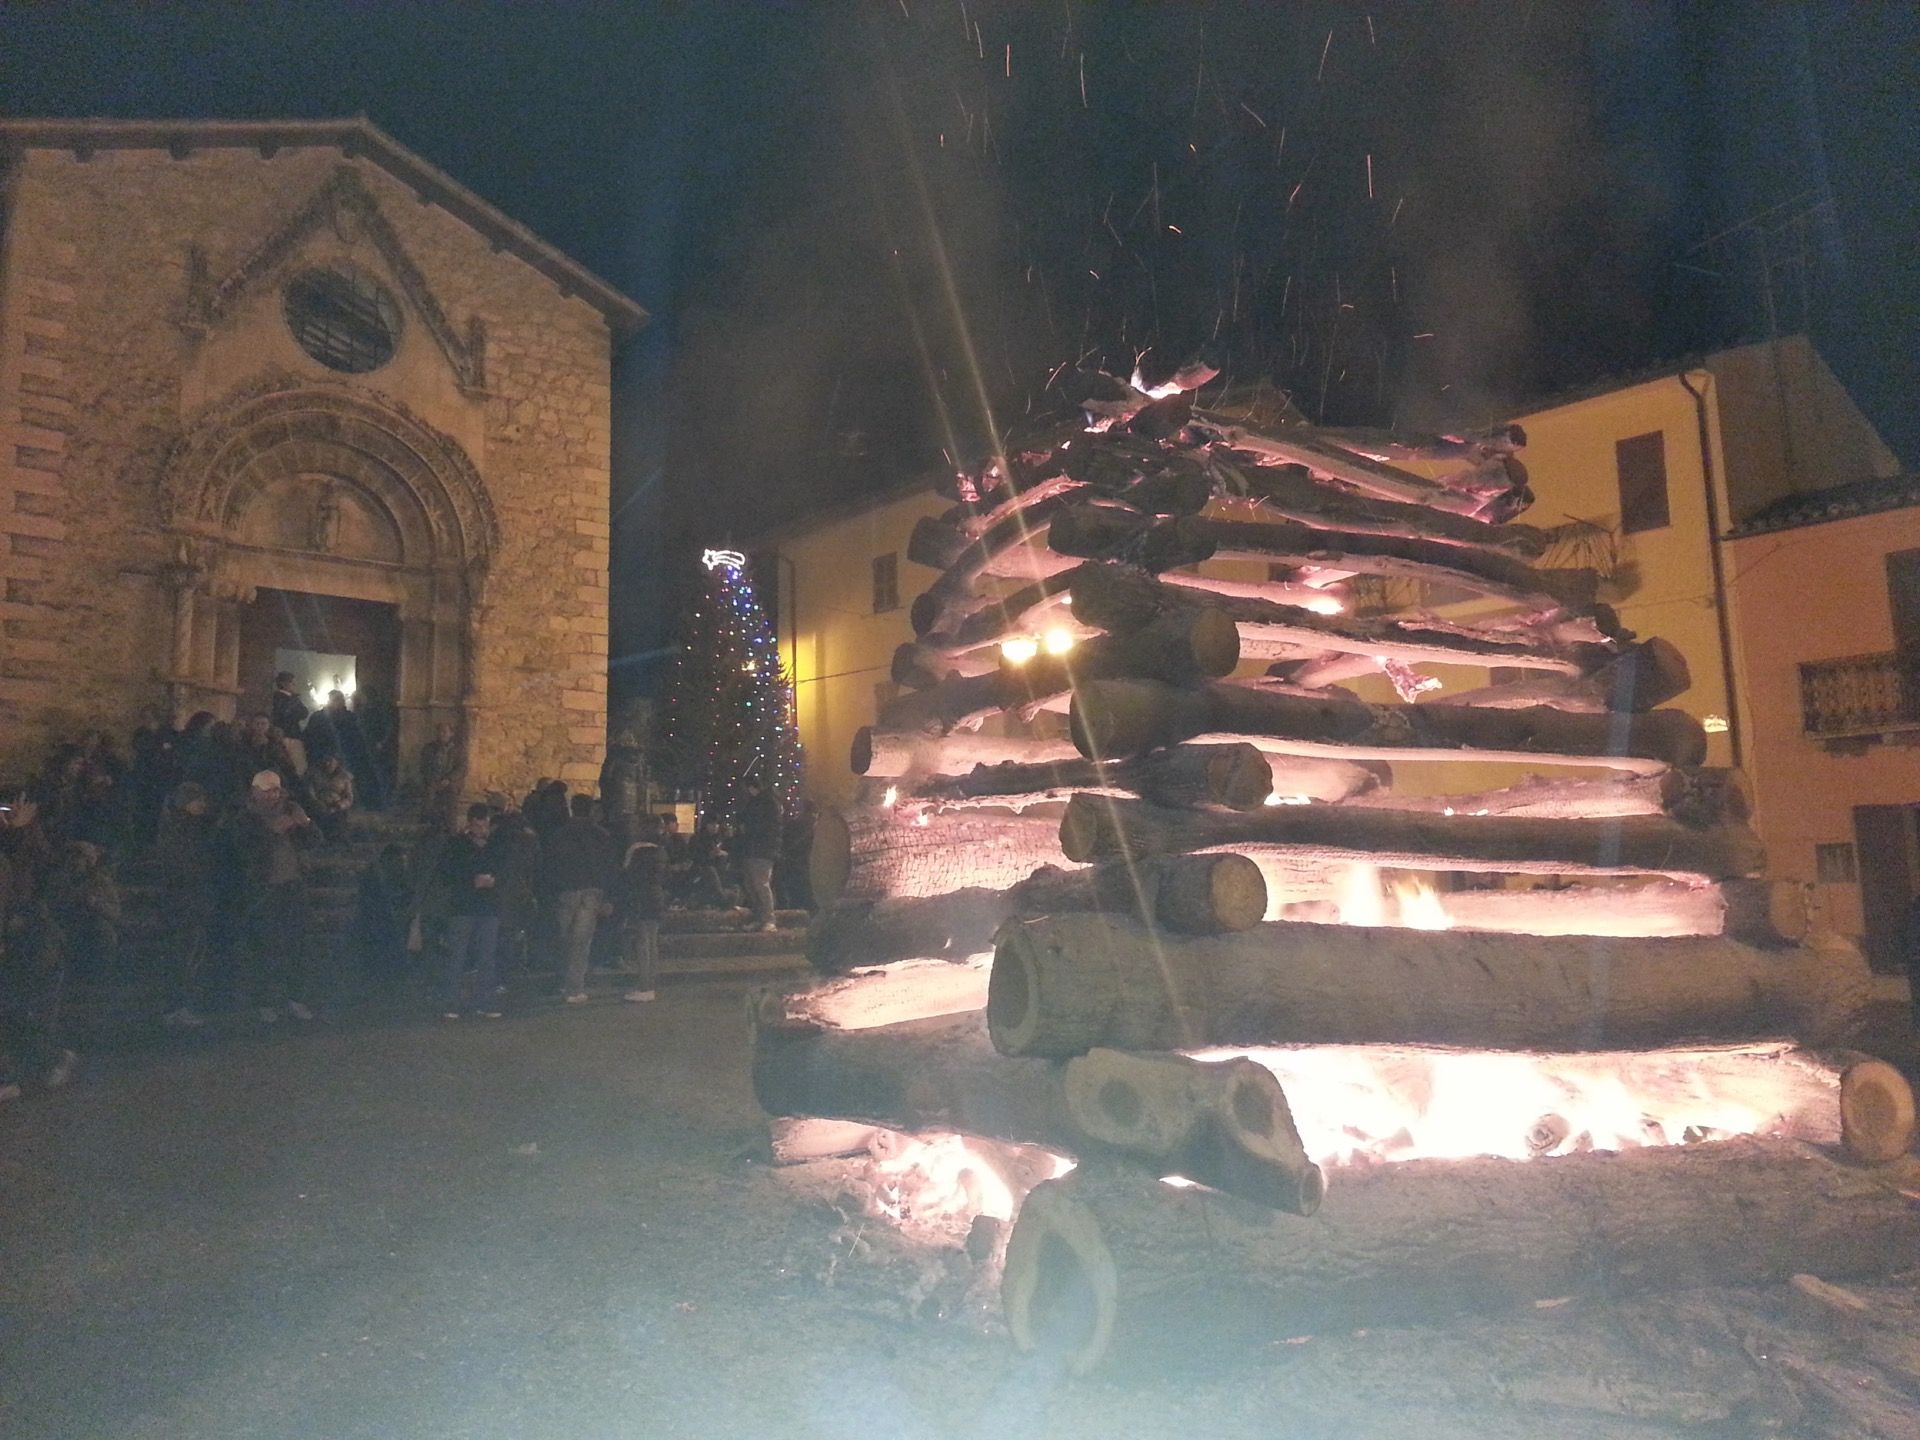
<point x="1215" y="642"/>
<point x="1060" y="1287"/>
<point x="861" y="756"/>
<point x="1876" y="1112"/>
<point x="1211" y="895"/>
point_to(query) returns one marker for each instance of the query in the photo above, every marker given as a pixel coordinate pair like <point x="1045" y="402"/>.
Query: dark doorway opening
<point x="1887" y="842"/>
<point x="358" y="640"/>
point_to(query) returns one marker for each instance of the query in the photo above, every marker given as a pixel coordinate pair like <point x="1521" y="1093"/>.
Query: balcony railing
<point x="1860" y="695"/>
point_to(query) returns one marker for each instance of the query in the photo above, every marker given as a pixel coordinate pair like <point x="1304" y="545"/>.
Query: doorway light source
<point x="1714" y="724"/>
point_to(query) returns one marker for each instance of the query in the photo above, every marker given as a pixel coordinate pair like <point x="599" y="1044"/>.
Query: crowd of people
<point x="221" y="817"/>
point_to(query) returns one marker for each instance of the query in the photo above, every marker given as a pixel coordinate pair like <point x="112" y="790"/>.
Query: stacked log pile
<point x="1138" y="786"/>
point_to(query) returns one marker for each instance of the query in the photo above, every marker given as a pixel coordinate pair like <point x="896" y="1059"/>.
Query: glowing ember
<point x="934" y="1186"/>
<point x="1409" y="902"/>
<point x="1356" y="1104"/>
<point x="1276" y="798"/>
<point x="1323" y="604"/>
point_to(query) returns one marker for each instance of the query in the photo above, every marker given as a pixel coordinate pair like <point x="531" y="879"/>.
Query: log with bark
<point x="1176" y="647"/>
<point x="875" y="852"/>
<point x="1370" y="477"/>
<point x="1239" y="777"/>
<point x="1066" y="983"/>
<point x="992" y="622"/>
<point x="1120" y="598"/>
<point x="1109" y="1265"/>
<point x="1183" y="894"/>
<point x="885" y="754"/>
<point x="1100" y="827"/>
<point x="1088" y="531"/>
<point x="1113" y="719"/>
<point x="1225" y="1124"/>
<point x="1290" y="492"/>
<point x="1699" y="798"/>
<point x="952" y="592"/>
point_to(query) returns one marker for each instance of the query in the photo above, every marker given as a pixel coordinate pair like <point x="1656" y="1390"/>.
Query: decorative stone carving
<point x="345" y="206"/>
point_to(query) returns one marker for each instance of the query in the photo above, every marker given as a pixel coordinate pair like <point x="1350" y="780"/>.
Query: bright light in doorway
<point x="1714" y="724"/>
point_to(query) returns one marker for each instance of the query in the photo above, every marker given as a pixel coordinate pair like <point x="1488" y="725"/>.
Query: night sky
<point x="871" y="232"/>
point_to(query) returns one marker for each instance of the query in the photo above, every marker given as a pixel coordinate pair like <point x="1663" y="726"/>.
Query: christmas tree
<point x="729" y="709"/>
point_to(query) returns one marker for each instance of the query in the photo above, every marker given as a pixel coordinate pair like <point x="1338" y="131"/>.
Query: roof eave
<point x="356" y="136"/>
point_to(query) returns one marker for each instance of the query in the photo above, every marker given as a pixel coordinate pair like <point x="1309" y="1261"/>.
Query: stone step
<point x="705" y="945"/>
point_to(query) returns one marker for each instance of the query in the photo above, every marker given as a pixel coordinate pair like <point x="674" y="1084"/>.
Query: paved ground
<point x="558" y="1225"/>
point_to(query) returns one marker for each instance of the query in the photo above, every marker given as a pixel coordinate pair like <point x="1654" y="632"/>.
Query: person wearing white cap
<point x="268" y="835"/>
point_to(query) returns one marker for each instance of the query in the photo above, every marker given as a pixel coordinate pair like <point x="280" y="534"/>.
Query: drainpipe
<point x="1719" y="568"/>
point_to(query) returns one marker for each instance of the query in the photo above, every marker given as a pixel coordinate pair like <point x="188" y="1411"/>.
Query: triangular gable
<point x="344" y="204"/>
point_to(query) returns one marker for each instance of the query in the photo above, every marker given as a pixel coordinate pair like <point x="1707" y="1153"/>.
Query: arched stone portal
<point x="324" y="492"/>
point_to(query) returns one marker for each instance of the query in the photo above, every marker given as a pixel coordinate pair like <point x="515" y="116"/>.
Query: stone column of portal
<point x="182" y="575"/>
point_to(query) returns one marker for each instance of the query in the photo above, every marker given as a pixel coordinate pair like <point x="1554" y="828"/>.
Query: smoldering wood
<point x="798" y="1140"/>
<point x="1227" y="1121"/>
<point x="1120" y="718"/>
<point x="1118" y="598"/>
<point x="875" y="853"/>
<point x="1108" y="1265"/>
<point x="1096" y="827"/>
<point x="1370" y="477"/>
<point x="1063" y="984"/>
<point x="1183" y="894"/>
<point x="887" y="753"/>
<point x="1086" y="530"/>
<point x="1290" y="492"/>
<point x="1176" y="647"/>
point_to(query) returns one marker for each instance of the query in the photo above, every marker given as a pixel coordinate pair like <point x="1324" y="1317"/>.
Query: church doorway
<point x="328" y="641"/>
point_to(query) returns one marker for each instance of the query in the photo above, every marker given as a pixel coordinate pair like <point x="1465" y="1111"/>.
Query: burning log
<point x="1227" y="1120"/>
<point x="1657" y="907"/>
<point x="1176" y="647"/>
<point x="1106" y="1265"/>
<point x="1392" y="445"/>
<point x="1118" y="718"/>
<point x="1291" y="492"/>
<point x="798" y="1140"/>
<point x="1239" y="777"/>
<point x="1119" y="599"/>
<point x="1087" y="531"/>
<point x="1102" y="827"/>
<point x="1064" y="984"/>
<point x="1183" y="894"/>
<point x="884" y="753"/>
<point x="883" y="995"/>
<point x="877" y="853"/>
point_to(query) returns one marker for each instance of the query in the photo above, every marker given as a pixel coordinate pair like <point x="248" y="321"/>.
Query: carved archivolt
<point x="257" y="440"/>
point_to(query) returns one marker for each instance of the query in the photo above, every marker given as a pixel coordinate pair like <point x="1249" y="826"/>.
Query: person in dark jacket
<point x="759" y="847"/>
<point x="186" y="863"/>
<point x="383" y="916"/>
<point x="268" y="834"/>
<point x="643" y="894"/>
<point x="577" y="866"/>
<point x="288" y="714"/>
<point x="473" y="868"/>
<point x="33" y="964"/>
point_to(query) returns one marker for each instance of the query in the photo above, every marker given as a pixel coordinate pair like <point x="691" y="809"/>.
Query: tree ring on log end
<point x="1252" y="1107"/>
<point x="1060" y="1285"/>
<point x="1215" y="643"/>
<point x="1010" y="1007"/>
<point x="1120" y="1102"/>
<point x="862" y="754"/>
<point x="1876" y="1111"/>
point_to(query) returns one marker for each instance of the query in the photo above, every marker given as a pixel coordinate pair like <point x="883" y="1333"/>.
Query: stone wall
<point x="139" y="291"/>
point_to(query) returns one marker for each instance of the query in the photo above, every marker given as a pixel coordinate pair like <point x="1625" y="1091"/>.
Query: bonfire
<point x="1158" y="932"/>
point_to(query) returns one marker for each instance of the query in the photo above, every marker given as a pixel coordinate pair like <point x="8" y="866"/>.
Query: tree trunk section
<point x="876" y="853"/>
<point x="1067" y="983"/>
<point x="1119" y="598"/>
<point x="1114" y="719"/>
<point x="885" y="753"/>
<point x="1087" y="531"/>
<point x="1109" y="1265"/>
<point x="1097" y="827"/>
<point x="1184" y="894"/>
<point x="1236" y="776"/>
<point x="1227" y="1120"/>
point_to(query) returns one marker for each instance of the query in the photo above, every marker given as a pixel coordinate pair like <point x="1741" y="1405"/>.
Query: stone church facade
<point x="285" y="389"/>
